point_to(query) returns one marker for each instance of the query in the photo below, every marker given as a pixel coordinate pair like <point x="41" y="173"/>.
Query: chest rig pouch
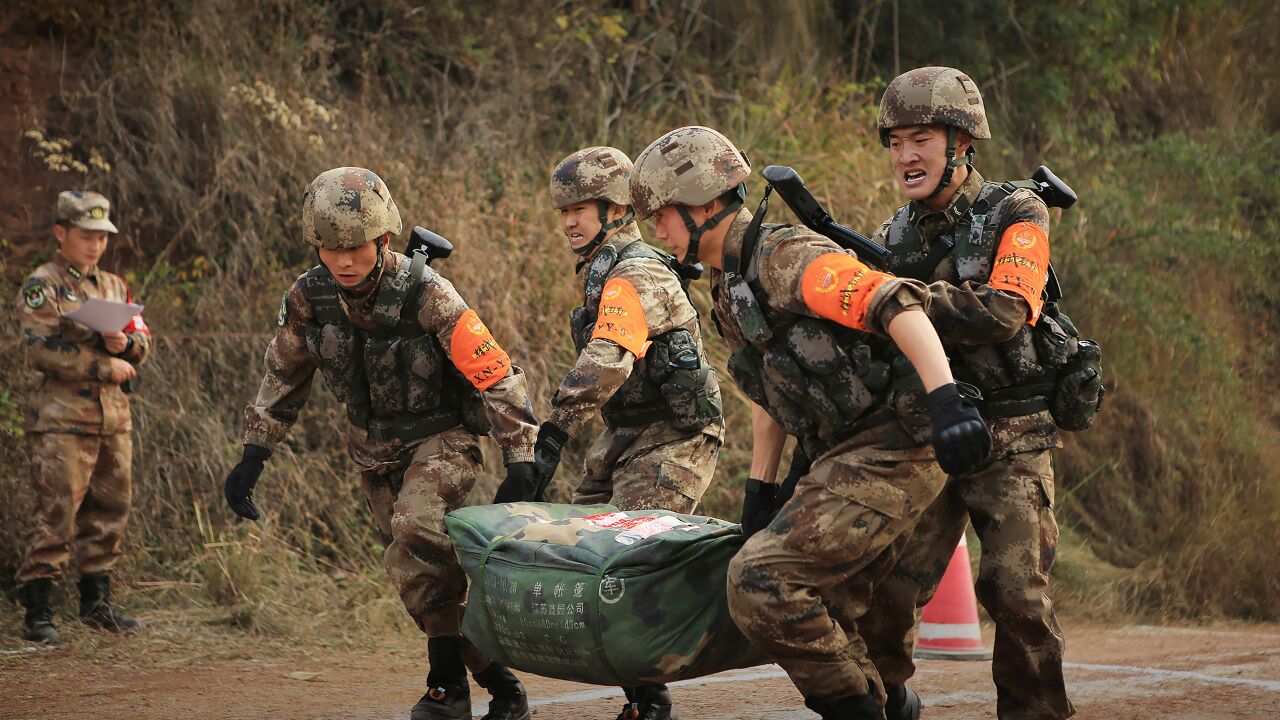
<point x="395" y="380"/>
<point x="670" y="383"/>
<point x="818" y="380"/>
<point x="1045" y="366"/>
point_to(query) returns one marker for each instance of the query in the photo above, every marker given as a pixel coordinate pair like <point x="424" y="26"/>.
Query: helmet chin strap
<point x="953" y="162"/>
<point x="696" y="231"/>
<point x="605" y="227"/>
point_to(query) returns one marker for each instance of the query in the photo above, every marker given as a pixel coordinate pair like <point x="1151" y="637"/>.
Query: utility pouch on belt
<point x="690" y="388"/>
<point x="1078" y="394"/>
<point x="1054" y="346"/>
<point x="691" y="393"/>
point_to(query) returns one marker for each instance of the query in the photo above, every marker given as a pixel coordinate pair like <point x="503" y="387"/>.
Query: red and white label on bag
<point x="635" y="529"/>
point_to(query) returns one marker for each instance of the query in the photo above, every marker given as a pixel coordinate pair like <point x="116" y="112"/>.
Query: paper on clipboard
<point x="104" y="315"/>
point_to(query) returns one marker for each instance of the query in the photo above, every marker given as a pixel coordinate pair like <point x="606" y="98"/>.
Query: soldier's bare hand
<point x="116" y="342"/>
<point x="122" y="371"/>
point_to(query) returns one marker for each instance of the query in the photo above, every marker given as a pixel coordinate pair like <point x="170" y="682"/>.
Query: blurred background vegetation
<point x="203" y="121"/>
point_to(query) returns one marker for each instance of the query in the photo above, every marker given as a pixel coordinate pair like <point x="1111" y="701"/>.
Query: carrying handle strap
<point x="478" y="587"/>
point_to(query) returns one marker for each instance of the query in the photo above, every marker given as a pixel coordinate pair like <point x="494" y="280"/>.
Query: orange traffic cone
<point x="949" y="624"/>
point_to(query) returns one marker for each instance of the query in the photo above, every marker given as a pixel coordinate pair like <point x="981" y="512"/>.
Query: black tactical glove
<point x="758" y="508"/>
<point x="546" y="451"/>
<point x="961" y="439"/>
<point x="242" y="479"/>
<point x="521" y="484"/>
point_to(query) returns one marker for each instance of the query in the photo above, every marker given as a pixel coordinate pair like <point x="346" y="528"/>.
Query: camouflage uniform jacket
<point x="75" y="394"/>
<point x="605" y="365"/>
<point x="441" y="312"/>
<point x="972" y="317"/>
<point x="792" y="261"/>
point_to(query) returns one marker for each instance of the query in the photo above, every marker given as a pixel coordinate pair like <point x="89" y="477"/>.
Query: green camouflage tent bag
<point x="591" y="594"/>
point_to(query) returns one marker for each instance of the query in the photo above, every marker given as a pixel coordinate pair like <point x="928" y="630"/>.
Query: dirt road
<point x="174" y="670"/>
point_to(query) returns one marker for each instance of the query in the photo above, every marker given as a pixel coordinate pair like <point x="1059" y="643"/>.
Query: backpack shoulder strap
<point x="321" y="290"/>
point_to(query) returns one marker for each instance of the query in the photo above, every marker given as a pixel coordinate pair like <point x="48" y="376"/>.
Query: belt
<point x="1015" y="401"/>
<point x="636" y="418"/>
<point x="406" y="429"/>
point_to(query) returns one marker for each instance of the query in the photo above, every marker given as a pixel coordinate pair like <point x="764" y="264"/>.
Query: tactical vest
<point x="670" y="383"/>
<point x="819" y="380"/>
<point x="396" y="381"/>
<point x="1017" y="377"/>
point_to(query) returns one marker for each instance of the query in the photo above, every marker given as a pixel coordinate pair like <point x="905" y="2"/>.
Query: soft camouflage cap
<point x="85" y="209"/>
<point x="594" y="173"/>
<point x="688" y="166"/>
<point x="933" y="95"/>
<point x="347" y="207"/>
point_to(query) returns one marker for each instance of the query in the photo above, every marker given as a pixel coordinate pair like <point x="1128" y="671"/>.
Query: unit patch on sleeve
<point x="33" y="294"/>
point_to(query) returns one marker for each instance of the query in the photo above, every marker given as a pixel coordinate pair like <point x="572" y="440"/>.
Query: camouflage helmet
<point x="933" y="95"/>
<point x="347" y="207"/>
<point x="688" y="166"/>
<point x="594" y="173"/>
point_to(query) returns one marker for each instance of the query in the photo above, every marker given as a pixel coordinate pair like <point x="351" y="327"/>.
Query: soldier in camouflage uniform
<point x="984" y="250"/>
<point x="641" y="365"/>
<point x="79" y="423"/>
<point x="811" y="329"/>
<point x="422" y="378"/>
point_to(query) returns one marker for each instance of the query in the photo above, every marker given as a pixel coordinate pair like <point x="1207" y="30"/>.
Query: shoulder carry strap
<point x="390" y="301"/>
<point x="975" y="233"/>
<point x="418" y="266"/>
<point x="735" y="263"/>
<point x="599" y="268"/>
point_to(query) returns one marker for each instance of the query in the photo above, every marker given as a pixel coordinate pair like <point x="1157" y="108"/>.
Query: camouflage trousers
<point x="799" y="588"/>
<point x="82" y="487"/>
<point x="650" y="466"/>
<point x="1011" y="504"/>
<point x="409" y="496"/>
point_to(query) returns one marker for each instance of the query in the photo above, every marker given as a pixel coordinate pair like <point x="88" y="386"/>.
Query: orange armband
<point x="475" y="352"/>
<point x="621" y="317"/>
<point x="839" y="287"/>
<point x="1022" y="264"/>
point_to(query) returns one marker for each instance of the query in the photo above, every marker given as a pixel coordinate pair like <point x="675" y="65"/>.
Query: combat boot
<point x="853" y="707"/>
<point x="508" y="700"/>
<point x="96" y="609"/>
<point x="36" y="597"/>
<point x="448" y="696"/>
<point x="648" y="702"/>
<point x="903" y="703"/>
